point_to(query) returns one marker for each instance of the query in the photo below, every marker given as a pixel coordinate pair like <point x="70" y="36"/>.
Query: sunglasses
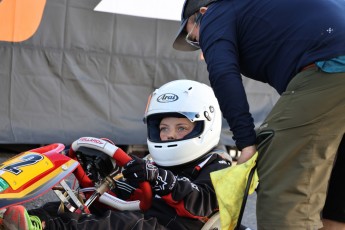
<point x="191" y="42"/>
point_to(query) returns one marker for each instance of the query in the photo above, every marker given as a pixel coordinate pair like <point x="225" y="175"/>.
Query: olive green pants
<point x="297" y="147"/>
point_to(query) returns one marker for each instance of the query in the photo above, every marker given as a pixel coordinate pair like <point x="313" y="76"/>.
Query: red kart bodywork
<point x="33" y="173"/>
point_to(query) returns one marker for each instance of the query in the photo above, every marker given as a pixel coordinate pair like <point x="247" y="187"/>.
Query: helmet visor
<point x="153" y="122"/>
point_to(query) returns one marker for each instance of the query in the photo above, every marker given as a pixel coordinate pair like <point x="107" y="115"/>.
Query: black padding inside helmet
<point x="198" y="128"/>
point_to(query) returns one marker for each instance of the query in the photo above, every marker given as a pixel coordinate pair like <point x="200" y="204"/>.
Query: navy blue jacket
<point x="265" y="40"/>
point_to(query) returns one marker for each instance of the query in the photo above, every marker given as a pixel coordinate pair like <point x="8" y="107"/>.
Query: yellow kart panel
<point x="47" y="181"/>
<point x="18" y="171"/>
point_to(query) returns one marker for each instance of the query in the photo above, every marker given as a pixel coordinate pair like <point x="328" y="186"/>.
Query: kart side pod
<point x="33" y="173"/>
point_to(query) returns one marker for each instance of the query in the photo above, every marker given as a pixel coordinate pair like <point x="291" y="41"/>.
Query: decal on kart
<point x="3" y="185"/>
<point x="26" y="160"/>
<point x="16" y="171"/>
<point x="92" y="141"/>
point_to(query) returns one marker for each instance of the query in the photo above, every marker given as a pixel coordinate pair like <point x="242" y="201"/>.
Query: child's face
<point x="173" y="128"/>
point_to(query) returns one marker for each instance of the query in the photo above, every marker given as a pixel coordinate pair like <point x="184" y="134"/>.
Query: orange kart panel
<point x="33" y="173"/>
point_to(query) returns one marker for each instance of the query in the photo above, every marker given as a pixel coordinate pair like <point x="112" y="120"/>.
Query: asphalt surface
<point x="249" y="218"/>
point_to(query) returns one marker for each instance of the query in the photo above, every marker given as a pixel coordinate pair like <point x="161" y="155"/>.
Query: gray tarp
<point x="87" y="73"/>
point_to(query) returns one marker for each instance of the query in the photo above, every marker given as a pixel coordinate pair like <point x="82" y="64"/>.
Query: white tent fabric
<point x="158" y="9"/>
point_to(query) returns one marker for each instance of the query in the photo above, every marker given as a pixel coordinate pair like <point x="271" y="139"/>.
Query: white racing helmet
<point x="183" y="98"/>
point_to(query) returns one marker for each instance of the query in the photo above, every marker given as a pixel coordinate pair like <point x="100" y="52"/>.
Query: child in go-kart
<point x="184" y="125"/>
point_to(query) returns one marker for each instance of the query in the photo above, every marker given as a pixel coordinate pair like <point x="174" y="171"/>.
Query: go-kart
<point x="96" y="165"/>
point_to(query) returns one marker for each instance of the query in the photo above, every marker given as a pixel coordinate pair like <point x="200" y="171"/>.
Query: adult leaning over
<point x="298" y="48"/>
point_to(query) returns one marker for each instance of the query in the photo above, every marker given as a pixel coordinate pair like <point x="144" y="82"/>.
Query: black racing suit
<point x="188" y="206"/>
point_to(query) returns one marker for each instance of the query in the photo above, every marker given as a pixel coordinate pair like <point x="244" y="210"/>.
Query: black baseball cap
<point x="189" y="8"/>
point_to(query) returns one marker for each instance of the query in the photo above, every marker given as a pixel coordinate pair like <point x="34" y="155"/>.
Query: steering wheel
<point x="120" y="157"/>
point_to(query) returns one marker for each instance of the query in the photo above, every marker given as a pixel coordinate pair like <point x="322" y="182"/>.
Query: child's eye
<point x="182" y="128"/>
<point x="163" y="129"/>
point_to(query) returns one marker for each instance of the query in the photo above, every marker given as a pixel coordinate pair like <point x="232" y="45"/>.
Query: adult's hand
<point x="246" y="154"/>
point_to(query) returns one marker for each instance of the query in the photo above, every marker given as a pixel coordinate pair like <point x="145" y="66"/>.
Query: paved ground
<point x="248" y="220"/>
<point x="249" y="217"/>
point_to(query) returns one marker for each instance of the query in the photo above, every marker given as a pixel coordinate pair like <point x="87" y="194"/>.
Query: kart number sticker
<point x="23" y="168"/>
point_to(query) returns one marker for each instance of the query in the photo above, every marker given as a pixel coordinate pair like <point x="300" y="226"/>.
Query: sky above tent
<point x="159" y="9"/>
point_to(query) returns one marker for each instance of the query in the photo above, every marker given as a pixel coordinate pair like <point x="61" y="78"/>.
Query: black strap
<point x="246" y="191"/>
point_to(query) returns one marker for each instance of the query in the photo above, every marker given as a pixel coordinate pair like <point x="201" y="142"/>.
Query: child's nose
<point x="171" y="135"/>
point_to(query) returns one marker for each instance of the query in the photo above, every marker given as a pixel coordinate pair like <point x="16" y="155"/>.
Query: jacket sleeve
<point x="219" y="43"/>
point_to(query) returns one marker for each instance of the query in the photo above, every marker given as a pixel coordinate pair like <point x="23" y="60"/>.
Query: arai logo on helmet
<point x="167" y="97"/>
